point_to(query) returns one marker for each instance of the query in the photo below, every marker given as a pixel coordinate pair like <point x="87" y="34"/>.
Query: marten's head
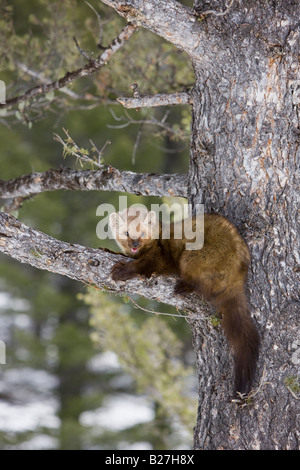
<point x="134" y="229"/>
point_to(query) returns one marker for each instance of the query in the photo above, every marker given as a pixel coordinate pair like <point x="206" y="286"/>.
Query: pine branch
<point x="106" y="179"/>
<point x="91" y="67"/>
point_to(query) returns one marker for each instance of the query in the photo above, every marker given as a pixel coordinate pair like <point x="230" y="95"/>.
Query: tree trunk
<point x="244" y="152"/>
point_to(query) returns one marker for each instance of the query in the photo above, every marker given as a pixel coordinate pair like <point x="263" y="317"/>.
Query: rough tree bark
<point x="246" y="119"/>
<point x="244" y="158"/>
<point x="105" y="179"/>
<point x="87" y="265"/>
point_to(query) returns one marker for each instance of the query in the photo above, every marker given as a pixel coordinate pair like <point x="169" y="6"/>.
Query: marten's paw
<point x="122" y="271"/>
<point x="182" y="288"/>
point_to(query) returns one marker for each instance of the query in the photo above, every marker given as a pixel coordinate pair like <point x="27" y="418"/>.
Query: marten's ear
<point x="115" y="220"/>
<point x="150" y="218"/>
<point x="137" y="210"/>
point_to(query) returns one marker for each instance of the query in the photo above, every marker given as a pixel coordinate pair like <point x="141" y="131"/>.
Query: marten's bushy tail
<point x="242" y="335"/>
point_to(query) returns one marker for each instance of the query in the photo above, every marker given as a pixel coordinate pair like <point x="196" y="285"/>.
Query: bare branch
<point x="105" y="179"/>
<point x="169" y="19"/>
<point x="127" y="120"/>
<point x="42" y="79"/>
<point x="14" y="204"/>
<point x="82" y="155"/>
<point x="84" y="264"/>
<point x="99" y="44"/>
<point x="156" y="100"/>
<point x="86" y="55"/>
<point x="91" y="67"/>
<point x="180" y="315"/>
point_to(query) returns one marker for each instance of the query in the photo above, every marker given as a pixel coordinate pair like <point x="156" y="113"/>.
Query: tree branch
<point x="170" y="19"/>
<point x="156" y="100"/>
<point x="106" y="179"/>
<point x="87" y="265"/>
<point x="91" y="67"/>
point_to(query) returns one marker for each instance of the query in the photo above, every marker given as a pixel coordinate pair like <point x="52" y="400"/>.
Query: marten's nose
<point x="135" y="243"/>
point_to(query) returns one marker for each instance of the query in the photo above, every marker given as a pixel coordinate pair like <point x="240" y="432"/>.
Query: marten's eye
<point x="142" y="234"/>
<point x="126" y="234"/>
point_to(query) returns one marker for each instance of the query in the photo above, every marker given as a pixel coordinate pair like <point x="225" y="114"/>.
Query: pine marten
<point x="217" y="271"/>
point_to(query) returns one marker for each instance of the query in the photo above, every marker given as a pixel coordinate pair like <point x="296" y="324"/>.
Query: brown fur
<point x="218" y="271"/>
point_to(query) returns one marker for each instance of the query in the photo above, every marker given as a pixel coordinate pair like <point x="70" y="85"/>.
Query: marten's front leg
<point x="124" y="270"/>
